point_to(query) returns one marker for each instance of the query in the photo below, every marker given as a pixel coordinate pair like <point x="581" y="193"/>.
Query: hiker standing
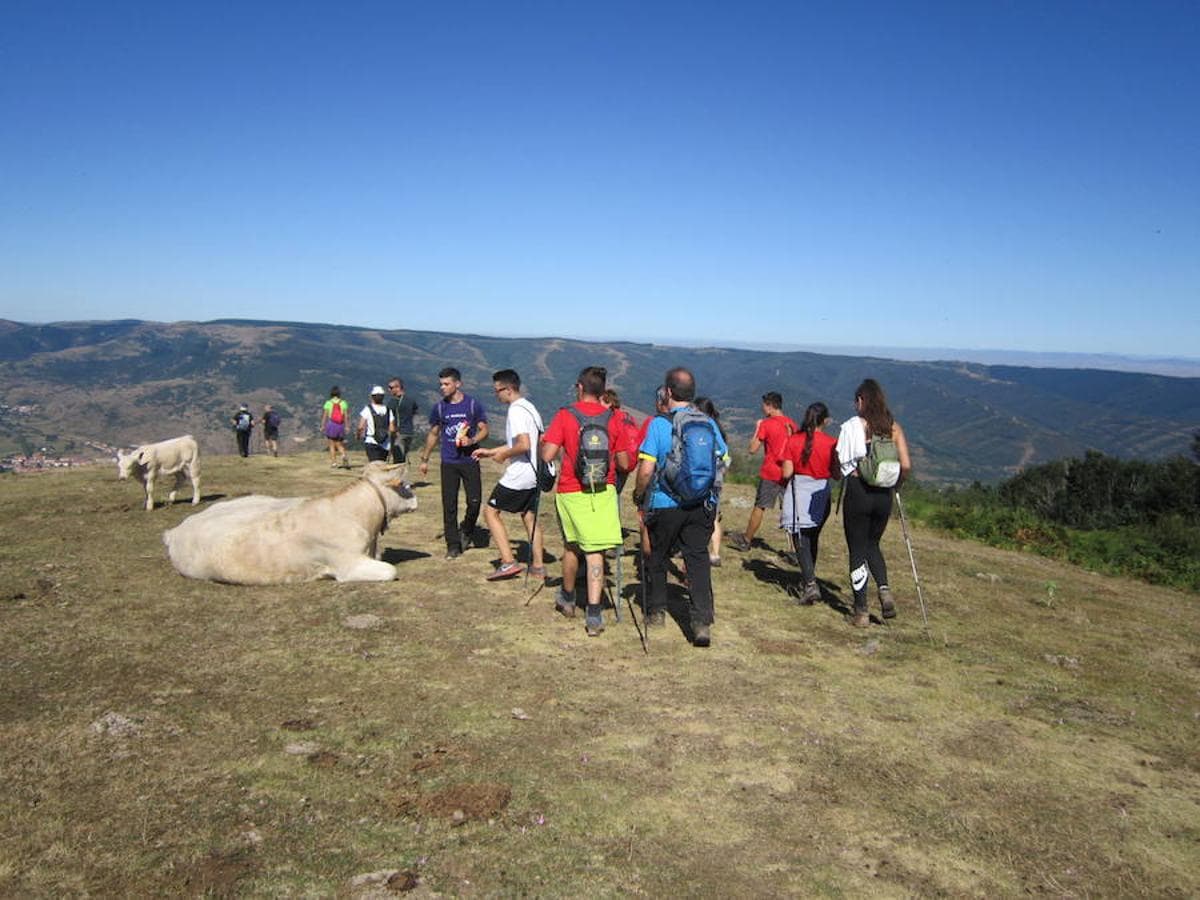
<point x="270" y="425"/>
<point x="404" y="409"/>
<point x="243" y="424"/>
<point x="809" y="460"/>
<point x="591" y="440"/>
<point x="334" y="414"/>
<point x="874" y="459"/>
<point x="376" y="426"/>
<point x="771" y="434"/>
<point x="458" y="422"/>
<point x="517" y="489"/>
<point x="706" y="406"/>
<point x="678" y="481"/>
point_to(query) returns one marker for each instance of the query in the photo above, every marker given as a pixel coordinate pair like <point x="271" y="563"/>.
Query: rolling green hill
<point x="126" y="382"/>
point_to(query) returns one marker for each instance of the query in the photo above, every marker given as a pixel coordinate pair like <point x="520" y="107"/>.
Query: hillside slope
<point x="127" y="382"/>
<point x="163" y="736"/>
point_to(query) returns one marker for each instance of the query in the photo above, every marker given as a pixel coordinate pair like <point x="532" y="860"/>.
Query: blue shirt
<point x="657" y="446"/>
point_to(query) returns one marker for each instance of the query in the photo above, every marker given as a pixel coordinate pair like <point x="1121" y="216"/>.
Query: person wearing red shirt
<point x="771" y="434"/>
<point x="633" y="432"/>
<point x="587" y="508"/>
<point x="809" y="461"/>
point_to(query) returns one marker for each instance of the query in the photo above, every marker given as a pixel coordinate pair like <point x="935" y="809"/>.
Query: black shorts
<point x="270" y="434"/>
<point x="375" y="453"/>
<point x="506" y="499"/>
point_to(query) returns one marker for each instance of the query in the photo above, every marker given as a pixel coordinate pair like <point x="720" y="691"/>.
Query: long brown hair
<point x="874" y="407"/>
<point x="813" y="417"/>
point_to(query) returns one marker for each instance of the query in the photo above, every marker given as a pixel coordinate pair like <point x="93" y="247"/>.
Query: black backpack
<point x="592" y="459"/>
<point x="381" y="424"/>
<point x="243" y="421"/>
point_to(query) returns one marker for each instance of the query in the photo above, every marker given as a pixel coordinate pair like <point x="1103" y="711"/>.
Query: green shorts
<point x="589" y="521"/>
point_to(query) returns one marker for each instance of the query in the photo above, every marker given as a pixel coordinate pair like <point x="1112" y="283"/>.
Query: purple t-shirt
<point x="449" y="417"/>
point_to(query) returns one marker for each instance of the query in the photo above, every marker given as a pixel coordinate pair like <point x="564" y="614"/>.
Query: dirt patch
<point x="457" y="803"/>
<point x="113" y="724"/>
<point x="362" y="622"/>
<point x="780" y="648"/>
<point x="298" y="725"/>
<point x="324" y="759"/>
<point x="217" y="874"/>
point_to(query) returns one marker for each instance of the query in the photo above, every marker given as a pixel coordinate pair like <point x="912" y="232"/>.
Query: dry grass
<point x="263" y="741"/>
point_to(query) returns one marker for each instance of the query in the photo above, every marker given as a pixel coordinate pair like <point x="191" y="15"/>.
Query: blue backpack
<point x="691" y="474"/>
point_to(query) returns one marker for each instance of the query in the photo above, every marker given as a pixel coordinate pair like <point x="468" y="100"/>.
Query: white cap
<point x="377" y="391"/>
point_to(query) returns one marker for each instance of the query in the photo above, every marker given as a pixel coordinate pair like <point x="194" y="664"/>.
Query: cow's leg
<point x="364" y="569"/>
<point x="149" y="491"/>
<point x="195" y="476"/>
<point x="175" y="486"/>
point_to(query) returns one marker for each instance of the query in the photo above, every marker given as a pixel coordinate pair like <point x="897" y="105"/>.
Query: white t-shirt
<point x="383" y="440"/>
<point x="523" y="418"/>
<point x="852" y="444"/>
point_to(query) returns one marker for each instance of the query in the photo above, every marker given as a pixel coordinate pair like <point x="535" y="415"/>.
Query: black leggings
<point x="805" y="541"/>
<point x="865" y="514"/>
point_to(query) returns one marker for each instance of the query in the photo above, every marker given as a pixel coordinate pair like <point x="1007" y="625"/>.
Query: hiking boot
<point x="506" y="570"/>
<point x="861" y="620"/>
<point x="887" y="602"/>
<point x="594" y="623"/>
<point x="453" y="552"/>
<point x="739" y="542"/>
<point x="715" y="562"/>
<point x="564" y="604"/>
<point x="812" y="593"/>
<point x="656" y="618"/>
<point x="701" y="635"/>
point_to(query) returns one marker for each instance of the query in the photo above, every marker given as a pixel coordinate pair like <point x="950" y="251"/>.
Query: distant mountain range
<point x="124" y="382"/>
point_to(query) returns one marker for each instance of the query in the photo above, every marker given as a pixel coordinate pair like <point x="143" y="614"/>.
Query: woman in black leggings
<point x="866" y="508"/>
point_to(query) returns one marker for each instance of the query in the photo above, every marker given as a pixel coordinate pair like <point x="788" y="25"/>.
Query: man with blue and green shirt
<point x="670" y="521"/>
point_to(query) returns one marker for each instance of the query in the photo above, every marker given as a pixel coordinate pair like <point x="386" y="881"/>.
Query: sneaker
<point x="507" y="570"/>
<point x="564" y="604"/>
<point x="657" y="618"/>
<point x="812" y="593"/>
<point x="537" y="572"/>
<point x="861" y="620"/>
<point x="887" y="602"/>
<point x="739" y="542"/>
<point x="701" y="635"/>
<point x="595" y="625"/>
<point x="453" y="552"/>
<point x="715" y="562"/>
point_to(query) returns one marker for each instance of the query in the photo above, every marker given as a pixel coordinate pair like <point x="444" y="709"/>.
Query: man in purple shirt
<point x="459" y="422"/>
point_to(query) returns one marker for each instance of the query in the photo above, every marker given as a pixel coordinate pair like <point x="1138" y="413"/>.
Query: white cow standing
<point x="179" y="457"/>
<point x="277" y="540"/>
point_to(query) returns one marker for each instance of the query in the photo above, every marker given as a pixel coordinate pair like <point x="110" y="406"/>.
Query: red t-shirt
<point x="774" y="433"/>
<point x="822" y="454"/>
<point x="634" y="434"/>
<point x="564" y="431"/>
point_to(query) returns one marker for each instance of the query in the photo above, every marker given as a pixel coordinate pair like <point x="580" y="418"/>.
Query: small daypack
<point x="692" y="471"/>
<point x="272" y="420"/>
<point x="336" y="414"/>
<point x="881" y="466"/>
<point x="546" y="471"/>
<point x="591" y="461"/>
<point x="243" y="421"/>
<point x="380" y="423"/>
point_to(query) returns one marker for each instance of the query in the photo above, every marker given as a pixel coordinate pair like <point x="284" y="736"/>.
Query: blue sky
<point x="978" y="175"/>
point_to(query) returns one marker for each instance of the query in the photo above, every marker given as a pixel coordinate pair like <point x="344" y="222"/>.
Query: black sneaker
<point x="453" y="552"/>
<point x="739" y="542"/>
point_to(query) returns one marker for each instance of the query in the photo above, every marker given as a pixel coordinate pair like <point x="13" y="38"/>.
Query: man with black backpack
<point x="376" y="427"/>
<point x="678" y="483"/>
<point x="593" y="447"/>
<point x="243" y="424"/>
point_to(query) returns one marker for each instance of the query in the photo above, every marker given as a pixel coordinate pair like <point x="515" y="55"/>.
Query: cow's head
<point x="125" y="463"/>
<point x="392" y="480"/>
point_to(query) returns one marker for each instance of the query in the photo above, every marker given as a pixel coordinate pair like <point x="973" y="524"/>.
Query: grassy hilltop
<point x="165" y="736"/>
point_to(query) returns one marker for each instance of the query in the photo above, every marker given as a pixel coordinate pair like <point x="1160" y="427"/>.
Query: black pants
<point x="692" y="529"/>
<point x="375" y="453"/>
<point x="865" y="514"/>
<point x="467" y="475"/>
<point x="400" y="447"/>
<point x="806" y="541"/>
<point x="243" y="442"/>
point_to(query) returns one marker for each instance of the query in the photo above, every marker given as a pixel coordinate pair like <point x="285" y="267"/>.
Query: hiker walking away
<point x="810" y="460"/>
<point x="404" y="409"/>
<point x="376" y="426"/>
<point x="612" y="400"/>
<point x="874" y="458"/>
<point x="334" y="415"/>
<point x="270" y="425"/>
<point x="771" y="434"/>
<point x="678" y="482"/>
<point x="706" y="406"/>
<point x="458" y="423"/>
<point x="243" y="424"/>
<point x="591" y="440"/>
<point x="517" y="489"/>
<point x="660" y="409"/>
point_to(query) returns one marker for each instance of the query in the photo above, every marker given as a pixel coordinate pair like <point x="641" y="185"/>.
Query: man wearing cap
<point x="376" y="425"/>
<point x="243" y="423"/>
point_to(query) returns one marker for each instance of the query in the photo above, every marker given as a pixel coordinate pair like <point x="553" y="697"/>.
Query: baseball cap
<point x="377" y="391"/>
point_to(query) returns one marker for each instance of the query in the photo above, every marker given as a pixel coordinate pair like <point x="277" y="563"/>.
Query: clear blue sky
<point x="1012" y="174"/>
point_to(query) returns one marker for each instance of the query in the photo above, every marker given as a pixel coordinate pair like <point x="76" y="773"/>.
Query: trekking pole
<point x="643" y="632"/>
<point x="537" y="502"/>
<point x="912" y="559"/>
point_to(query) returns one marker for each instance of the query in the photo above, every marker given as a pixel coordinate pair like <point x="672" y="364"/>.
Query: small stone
<point x="519" y="713"/>
<point x="301" y="748"/>
<point x="870" y="648"/>
<point x="458" y="817"/>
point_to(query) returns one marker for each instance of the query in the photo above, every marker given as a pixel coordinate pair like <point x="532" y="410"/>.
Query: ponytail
<point x="813" y="417"/>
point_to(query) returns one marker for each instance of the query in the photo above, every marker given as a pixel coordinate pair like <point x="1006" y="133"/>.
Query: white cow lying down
<point x="179" y="457"/>
<point x="276" y="540"/>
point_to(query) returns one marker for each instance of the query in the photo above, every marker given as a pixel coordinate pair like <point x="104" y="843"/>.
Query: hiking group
<point x="243" y="423"/>
<point x="676" y="458"/>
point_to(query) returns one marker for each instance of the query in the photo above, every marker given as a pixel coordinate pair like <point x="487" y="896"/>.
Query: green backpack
<point x="881" y="466"/>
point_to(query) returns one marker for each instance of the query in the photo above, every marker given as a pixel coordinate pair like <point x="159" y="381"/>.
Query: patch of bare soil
<point x="324" y="759"/>
<point x="458" y="803"/>
<point x="217" y="874"/>
<point x="780" y="648"/>
<point x="298" y="725"/>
